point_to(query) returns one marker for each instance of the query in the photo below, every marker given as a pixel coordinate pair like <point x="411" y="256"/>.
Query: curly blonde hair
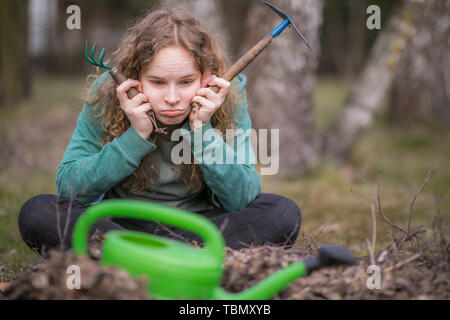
<point x="157" y="30"/>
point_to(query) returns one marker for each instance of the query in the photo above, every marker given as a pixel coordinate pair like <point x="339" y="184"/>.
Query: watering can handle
<point x="133" y="209"/>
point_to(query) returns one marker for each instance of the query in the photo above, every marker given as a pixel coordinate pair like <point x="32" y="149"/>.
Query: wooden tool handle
<point x="131" y="93"/>
<point x="247" y="58"/>
<point x="119" y="78"/>
<point x="244" y="61"/>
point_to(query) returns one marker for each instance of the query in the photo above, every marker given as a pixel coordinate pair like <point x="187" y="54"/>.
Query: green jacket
<point x="91" y="173"/>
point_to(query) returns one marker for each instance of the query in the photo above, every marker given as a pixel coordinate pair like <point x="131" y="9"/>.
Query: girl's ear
<point x="206" y="77"/>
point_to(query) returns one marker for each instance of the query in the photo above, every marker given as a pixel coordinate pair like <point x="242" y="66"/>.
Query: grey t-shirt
<point x="170" y="189"/>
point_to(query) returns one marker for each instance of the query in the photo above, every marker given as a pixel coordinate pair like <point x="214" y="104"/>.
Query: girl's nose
<point x="172" y="96"/>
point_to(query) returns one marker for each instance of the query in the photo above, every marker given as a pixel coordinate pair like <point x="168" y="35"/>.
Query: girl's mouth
<point x="172" y="113"/>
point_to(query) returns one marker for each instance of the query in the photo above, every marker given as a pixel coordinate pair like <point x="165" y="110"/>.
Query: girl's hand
<point x="208" y="100"/>
<point x="135" y="109"/>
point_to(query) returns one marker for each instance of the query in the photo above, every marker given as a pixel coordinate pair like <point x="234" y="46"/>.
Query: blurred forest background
<point x="364" y="118"/>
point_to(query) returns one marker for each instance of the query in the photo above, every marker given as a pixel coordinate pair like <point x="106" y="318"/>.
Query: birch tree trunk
<point x="282" y="78"/>
<point x="422" y="86"/>
<point x="371" y="86"/>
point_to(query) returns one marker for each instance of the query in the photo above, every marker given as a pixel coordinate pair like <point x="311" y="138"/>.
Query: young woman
<point x="116" y="151"/>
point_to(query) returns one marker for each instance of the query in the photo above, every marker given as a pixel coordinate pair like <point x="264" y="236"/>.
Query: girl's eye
<point x="157" y="82"/>
<point x="186" y="82"/>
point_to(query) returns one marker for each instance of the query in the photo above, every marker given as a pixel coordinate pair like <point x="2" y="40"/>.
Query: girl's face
<point x="170" y="82"/>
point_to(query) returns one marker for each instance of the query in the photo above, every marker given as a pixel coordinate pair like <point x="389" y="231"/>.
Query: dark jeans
<point x="269" y="219"/>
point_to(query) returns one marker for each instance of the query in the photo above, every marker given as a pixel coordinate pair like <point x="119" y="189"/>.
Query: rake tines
<point x="92" y="60"/>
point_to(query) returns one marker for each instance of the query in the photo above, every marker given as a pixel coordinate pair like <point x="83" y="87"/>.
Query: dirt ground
<point x="404" y="275"/>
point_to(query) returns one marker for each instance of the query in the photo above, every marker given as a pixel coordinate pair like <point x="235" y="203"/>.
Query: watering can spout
<point x="267" y="288"/>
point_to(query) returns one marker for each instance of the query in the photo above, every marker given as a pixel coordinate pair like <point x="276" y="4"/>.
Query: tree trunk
<point x="282" y="78"/>
<point x="372" y="84"/>
<point x="235" y="12"/>
<point x="15" y="76"/>
<point x="344" y="36"/>
<point x="421" y="88"/>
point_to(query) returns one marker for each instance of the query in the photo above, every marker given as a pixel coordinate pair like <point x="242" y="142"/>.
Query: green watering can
<point x="177" y="270"/>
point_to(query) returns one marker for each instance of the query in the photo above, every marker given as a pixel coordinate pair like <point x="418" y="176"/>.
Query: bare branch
<point x="374" y="231"/>
<point x="365" y="183"/>
<point x="370" y="252"/>
<point x="427" y="178"/>
<point x="407" y="234"/>
<point x="359" y="197"/>
<point x="174" y="234"/>
<point x="69" y="213"/>
<point x="290" y="235"/>
<point x="398" y="265"/>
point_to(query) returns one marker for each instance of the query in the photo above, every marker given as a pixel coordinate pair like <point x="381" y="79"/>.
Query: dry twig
<point x="398" y="265"/>
<point x="407" y="235"/>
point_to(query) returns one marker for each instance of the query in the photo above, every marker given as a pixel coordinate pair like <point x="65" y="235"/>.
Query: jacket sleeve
<point x="87" y="169"/>
<point x="234" y="180"/>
